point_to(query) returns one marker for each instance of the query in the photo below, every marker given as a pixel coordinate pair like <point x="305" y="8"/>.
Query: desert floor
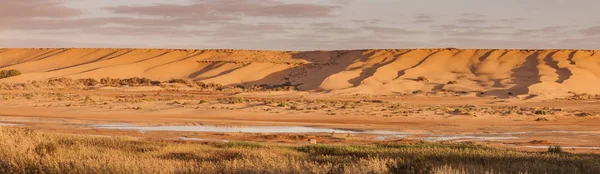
<point x="189" y="115"/>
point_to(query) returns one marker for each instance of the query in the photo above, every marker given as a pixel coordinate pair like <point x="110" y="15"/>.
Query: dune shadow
<point x="184" y="58"/>
<point x="225" y="72"/>
<point x="370" y="71"/>
<point x="47" y="54"/>
<point x="93" y="69"/>
<point x="309" y="76"/>
<point x="402" y="72"/>
<point x="39" y="57"/>
<point x="106" y="57"/>
<point x="563" y="73"/>
<point x="571" y="55"/>
<point x="211" y="66"/>
<point x="481" y="59"/>
<point x="522" y="77"/>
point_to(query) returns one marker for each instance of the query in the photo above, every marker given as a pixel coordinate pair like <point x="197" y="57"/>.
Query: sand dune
<point x="495" y="72"/>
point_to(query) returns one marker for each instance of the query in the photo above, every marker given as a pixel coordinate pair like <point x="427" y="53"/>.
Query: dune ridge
<point x="491" y="71"/>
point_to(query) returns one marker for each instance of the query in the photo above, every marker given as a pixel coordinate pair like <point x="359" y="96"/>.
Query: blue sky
<point x="301" y="24"/>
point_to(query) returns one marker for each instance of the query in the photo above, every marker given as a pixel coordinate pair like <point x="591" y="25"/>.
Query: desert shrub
<point x="418" y="92"/>
<point x="541" y="112"/>
<point x="452" y="82"/>
<point x="203" y="102"/>
<point x="107" y="81"/>
<point x="422" y="79"/>
<point x="296" y="107"/>
<point x="9" y="73"/>
<point x="88" y="82"/>
<point x="460" y="111"/>
<point x="555" y="149"/>
<point x="234" y="100"/>
<point x="584" y="114"/>
<point x="180" y="81"/>
<point x="541" y="119"/>
<point x="135" y="81"/>
<point x="283" y="104"/>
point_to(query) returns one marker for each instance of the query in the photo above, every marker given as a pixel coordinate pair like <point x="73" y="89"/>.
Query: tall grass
<point x="25" y="151"/>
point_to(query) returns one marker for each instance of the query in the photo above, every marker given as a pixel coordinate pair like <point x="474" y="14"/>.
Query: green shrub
<point x="9" y="73"/>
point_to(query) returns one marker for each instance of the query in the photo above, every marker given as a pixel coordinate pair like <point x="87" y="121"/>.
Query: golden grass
<point x="25" y="151"/>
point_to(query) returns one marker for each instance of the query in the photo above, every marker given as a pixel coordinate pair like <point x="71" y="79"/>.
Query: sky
<point x="300" y="24"/>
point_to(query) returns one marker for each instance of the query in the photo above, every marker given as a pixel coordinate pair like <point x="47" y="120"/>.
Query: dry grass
<point x="26" y="151"/>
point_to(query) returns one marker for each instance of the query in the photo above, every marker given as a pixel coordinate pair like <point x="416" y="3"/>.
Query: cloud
<point x="513" y="20"/>
<point x="471" y="21"/>
<point x="217" y="9"/>
<point x="472" y="15"/>
<point x="389" y="30"/>
<point x="591" y="31"/>
<point x="493" y="43"/>
<point x="542" y="31"/>
<point x="332" y="28"/>
<point x="422" y="16"/>
<point x="27" y="9"/>
<point x="423" y="21"/>
<point x="469" y="27"/>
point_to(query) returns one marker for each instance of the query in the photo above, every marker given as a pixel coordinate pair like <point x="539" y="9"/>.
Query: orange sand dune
<point x="496" y="72"/>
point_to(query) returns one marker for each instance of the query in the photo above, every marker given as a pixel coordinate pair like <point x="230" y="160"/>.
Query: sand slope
<point x="496" y="72"/>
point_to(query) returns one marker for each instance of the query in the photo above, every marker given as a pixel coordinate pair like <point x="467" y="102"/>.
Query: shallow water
<point x="9" y="124"/>
<point x="466" y="137"/>
<point x="243" y="129"/>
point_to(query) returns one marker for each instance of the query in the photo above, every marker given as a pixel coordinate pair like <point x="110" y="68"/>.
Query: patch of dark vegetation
<point x="555" y="149"/>
<point x="135" y="81"/>
<point x="9" y="73"/>
<point x="27" y="151"/>
<point x="422" y="79"/>
<point x="233" y="100"/>
<point x="88" y="82"/>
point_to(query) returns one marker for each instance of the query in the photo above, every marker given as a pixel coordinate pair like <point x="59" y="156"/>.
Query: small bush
<point x="236" y="100"/>
<point x="422" y="79"/>
<point x="452" y="82"/>
<point x="180" y="81"/>
<point x="555" y="149"/>
<point x="9" y="73"/>
<point x="88" y="82"/>
<point x="584" y="114"/>
<point x="203" y="102"/>
<point x="418" y="92"/>
<point x="283" y="104"/>
<point x="541" y="112"/>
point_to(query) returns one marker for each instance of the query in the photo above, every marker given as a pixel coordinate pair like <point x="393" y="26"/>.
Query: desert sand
<point x="519" y="98"/>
